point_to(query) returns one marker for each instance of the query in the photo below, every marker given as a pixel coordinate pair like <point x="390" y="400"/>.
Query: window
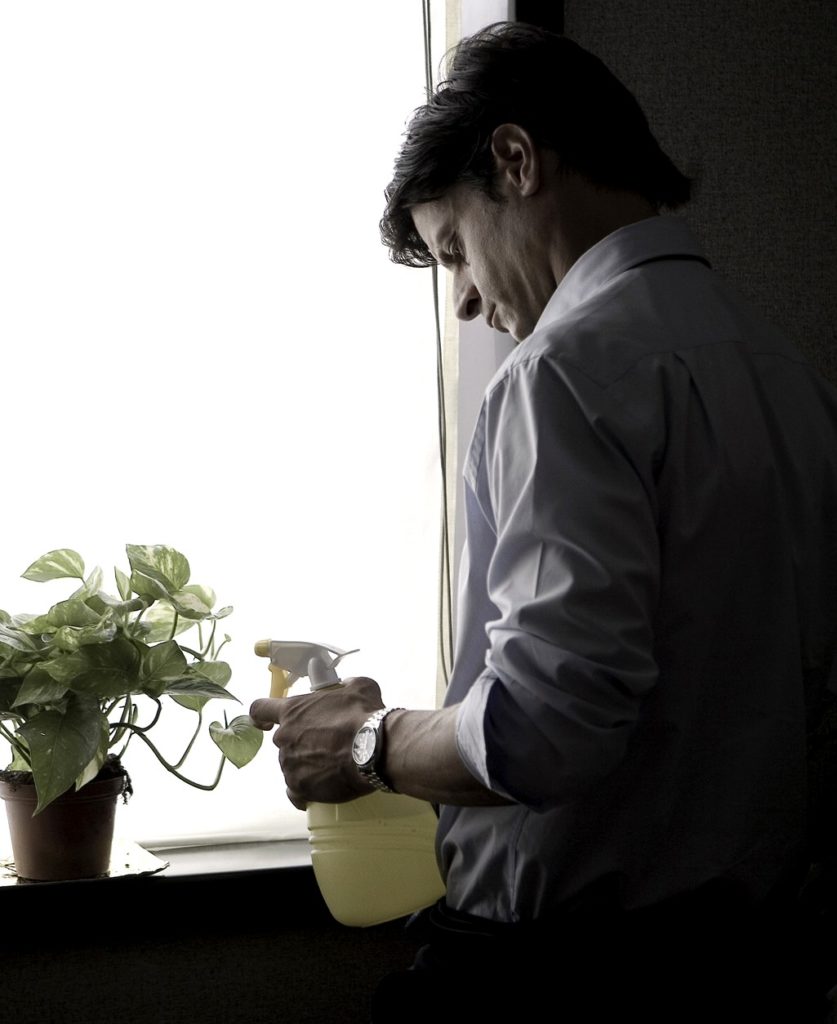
<point x="205" y="344"/>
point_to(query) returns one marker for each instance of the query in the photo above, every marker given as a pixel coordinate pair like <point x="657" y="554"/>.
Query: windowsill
<point x="233" y="858"/>
<point x="191" y="861"/>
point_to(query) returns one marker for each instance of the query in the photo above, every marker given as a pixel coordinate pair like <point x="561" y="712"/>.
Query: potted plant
<point x="82" y="681"/>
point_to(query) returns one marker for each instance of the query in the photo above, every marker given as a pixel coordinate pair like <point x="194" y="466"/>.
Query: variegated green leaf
<point x="55" y="565"/>
<point x="123" y="584"/>
<point x="157" y="622"/>
<point x="148" y="586"/>
<point x="19" y="762"/>
<point x="39" y="687"/>
<point x="198" y="688"/>
<point x="67" y="667"/>
<point x="102" y="632"/>
<point x="70" y="638"/>
<point x="134" y="604"/>
<point x="98" y="759"/>
<point x="204" y="594"/>
<point x="66" y="639"/>
<point x="165" y="663"/>
<point x="110" y="670"/>
<point x="92" y="769"/>
<point x="60" y="747"/>
<point x="70" y="613"/>
<point x="105" y="683"/>
<point x="218" y="672"/>
<point x="190" y="606"/>
<point x="222" y="613"/>
<point x="16" y="638"/>
<point x="239" y="741"/>
<point x="91" y="586"/>
<point x="26" y="624"/>
<point x="161" y="563"/>
<point x="37" y="625"/>
<point x="8" y="692"/>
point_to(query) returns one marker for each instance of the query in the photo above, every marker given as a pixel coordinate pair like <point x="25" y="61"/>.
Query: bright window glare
<point x="206" y="346"/>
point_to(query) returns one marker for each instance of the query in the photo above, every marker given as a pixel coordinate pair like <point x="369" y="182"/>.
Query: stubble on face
<point x="498" y="269"/>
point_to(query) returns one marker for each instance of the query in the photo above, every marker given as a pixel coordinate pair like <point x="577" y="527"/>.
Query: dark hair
<point x="565" y="97"/>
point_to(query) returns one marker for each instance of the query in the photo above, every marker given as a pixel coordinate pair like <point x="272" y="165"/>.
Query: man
<point x="648" y="597"/>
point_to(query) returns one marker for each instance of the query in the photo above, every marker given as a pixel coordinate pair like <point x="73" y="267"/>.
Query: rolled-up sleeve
<point x="563" y="475"/>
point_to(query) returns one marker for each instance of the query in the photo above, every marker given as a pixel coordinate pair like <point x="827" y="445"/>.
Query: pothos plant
<point x="88" y="677"/>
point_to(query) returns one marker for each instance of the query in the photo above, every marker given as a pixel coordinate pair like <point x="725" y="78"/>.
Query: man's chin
<point x="516" y="331"/>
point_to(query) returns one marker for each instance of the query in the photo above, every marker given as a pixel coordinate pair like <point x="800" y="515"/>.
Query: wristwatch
<point x="368" y="749"/>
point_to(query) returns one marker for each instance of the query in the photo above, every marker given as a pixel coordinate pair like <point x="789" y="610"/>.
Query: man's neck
<point x="585" y="214"/>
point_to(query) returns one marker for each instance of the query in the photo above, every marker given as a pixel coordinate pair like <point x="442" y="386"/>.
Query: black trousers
<point x="701" y="959"/>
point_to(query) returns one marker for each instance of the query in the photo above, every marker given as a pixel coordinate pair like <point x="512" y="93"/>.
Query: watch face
<point x="363" y="746"/>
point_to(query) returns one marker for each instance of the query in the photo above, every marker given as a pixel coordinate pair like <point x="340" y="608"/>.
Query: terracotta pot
<point x="70" y="838"/>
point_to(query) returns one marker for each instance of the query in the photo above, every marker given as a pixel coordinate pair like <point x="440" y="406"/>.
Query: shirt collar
<point x="653" y="238"/>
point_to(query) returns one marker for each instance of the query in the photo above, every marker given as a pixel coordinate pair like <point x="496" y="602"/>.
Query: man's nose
<point x="467" y="302"/>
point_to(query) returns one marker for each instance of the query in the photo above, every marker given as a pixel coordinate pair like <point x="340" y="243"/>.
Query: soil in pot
<point x="72" y="836"/>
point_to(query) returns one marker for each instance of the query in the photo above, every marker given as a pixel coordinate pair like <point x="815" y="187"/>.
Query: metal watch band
<point x="375" y="721"/>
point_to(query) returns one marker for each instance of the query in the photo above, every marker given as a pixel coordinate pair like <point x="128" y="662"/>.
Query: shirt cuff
<point x="470" y="731"/>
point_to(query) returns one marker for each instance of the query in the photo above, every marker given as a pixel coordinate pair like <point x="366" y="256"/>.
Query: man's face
<point x="499" y="270"/>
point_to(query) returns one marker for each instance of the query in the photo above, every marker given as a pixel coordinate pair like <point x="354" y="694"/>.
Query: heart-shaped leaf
<point x="239" y="741"/>
<point x="55" y="565"/>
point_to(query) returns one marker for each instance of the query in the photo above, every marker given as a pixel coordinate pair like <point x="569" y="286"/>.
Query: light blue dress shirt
<point x="650" y="576"/>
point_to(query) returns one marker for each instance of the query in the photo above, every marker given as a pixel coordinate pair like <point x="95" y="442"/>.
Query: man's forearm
<point x="421" y="760"/>
<point x="314" y="738"/>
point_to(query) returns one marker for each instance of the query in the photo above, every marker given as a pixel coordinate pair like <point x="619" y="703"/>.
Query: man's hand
<point x="315" y="733"/>
<point x="314" y="739"/>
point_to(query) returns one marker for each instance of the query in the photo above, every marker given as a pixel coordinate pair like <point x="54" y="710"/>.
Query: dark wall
<point x="742" y="96"/>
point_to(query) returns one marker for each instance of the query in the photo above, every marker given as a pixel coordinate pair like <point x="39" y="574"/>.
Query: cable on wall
<point x="445" y="584"/>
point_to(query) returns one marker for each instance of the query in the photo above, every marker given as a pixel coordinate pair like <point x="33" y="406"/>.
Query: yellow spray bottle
<point x="374" y="858"/>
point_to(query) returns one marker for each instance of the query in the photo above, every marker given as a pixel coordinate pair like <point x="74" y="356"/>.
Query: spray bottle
<point x="374" y="857"/>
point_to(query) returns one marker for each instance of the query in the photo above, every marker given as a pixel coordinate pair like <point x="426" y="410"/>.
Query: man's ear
<point x="517" y="158"/>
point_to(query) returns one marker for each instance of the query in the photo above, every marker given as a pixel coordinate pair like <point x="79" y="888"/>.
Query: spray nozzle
<point x="322" y="673"/>
<point x="292" y="659"/>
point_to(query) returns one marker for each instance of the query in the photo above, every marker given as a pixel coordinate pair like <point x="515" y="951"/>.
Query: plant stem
<point x="175" y="620"/>
<point x="211" y="641"/>
<point x="185" y="753"/>
<point x="131" y="627"/>
<point x="14" y="742"/>
<point x="125" y="716"/>
<point x="172" y="769"/>
<point x="153" y="722"/>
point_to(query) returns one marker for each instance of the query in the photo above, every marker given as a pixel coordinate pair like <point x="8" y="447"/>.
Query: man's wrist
<point x="369" y="750"/>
